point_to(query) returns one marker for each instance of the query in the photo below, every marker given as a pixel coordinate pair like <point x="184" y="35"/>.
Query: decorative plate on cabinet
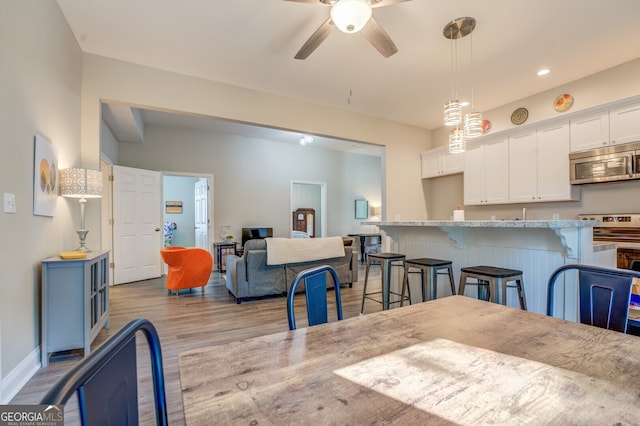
<point x="486" y="126"/>
<point x="519" y="116"/>
<point x="563" y="102"/>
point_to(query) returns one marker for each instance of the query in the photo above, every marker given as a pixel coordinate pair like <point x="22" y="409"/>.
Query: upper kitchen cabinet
<point x="439" y="162"/>
<point x="486" y="173"/>
<point x="614" y="127"/>
<point x="590" y="132"/>
<point x="539" y="165"/>
<point x="624" y="124"/>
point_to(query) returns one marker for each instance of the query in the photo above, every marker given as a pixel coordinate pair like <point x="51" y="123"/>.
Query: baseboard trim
<point x="19" y="376"/>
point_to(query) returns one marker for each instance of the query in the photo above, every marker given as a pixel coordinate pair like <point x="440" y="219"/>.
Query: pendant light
<point x="453" y="108"/>
<point x="457" y="143"/>
<point x="458" y="28"/>
<point x="473" y="119"/>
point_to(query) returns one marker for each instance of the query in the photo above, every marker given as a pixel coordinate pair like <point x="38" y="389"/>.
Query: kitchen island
<point x="536" y="247"/>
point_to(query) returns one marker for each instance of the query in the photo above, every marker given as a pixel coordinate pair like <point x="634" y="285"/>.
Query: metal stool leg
<point x="385" y="273"/>
<point x="520" y="288"/>
<point x="484" y="290"/>
<point x="498" y="290"/>
<point x="405" y="285"/>
<point x="433" y="283"/>
<point x="366" y="280"/>
<point x="463" y="282"/>
<point x="451" y="280"/>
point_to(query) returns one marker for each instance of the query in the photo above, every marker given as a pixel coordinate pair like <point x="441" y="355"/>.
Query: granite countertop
<point x="554" y="224"/>
<point x="602" y="246"/>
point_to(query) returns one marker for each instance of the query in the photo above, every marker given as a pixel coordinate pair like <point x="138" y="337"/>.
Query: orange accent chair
<point x="189" y="267"/>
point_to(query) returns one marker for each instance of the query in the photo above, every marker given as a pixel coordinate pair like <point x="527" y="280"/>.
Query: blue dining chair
<point x="604" y="295"/>
<point x="315" y="282"/>
<point x="106" y="381"/>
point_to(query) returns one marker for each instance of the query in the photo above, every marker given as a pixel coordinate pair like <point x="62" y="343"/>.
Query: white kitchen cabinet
<point x="439" y="162"/>
<point x="589" y="132"/>
<point x="523" y="167"/>
<point x="553" y="164"/>
<point x="486" y="173"/>
<point x="539" y="165"/>
<point x="624" y="124"/>
<point x="614" y="127"/>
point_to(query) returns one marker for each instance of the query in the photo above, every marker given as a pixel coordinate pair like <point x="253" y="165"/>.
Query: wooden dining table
<point x="455" y="360"/>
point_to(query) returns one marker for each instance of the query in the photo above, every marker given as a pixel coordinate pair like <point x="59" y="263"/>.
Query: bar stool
<point x="490" y="279"/>
<point x="386" y="260"/>
<point x="429" y="269"/>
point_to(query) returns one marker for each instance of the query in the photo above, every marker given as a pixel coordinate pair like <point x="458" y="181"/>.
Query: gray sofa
<point x="249" y="276"/>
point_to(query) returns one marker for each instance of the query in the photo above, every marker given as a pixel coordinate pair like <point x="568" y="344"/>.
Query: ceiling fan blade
<point x="316" y="38"/>
<point x="379" y="38"/>
<point x="382" y="3"/>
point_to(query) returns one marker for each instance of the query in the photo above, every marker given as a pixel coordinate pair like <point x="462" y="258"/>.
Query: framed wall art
<point x="173" y="207"/>
<point x="45" y="178"/>
<point x="362" y="209"/>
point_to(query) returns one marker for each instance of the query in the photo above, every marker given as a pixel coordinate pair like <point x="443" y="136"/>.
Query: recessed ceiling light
<point x="543" y="71"/>
<point x="464" y="103"/>
<point x="306" y="139"/>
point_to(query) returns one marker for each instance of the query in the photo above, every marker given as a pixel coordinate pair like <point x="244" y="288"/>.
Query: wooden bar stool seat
<point x="387" y="261"/>
<point x="429" y="269"/>
<point x="492" y="283"/>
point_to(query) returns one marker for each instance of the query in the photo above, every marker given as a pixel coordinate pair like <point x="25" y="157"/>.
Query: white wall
<point x="252" y="177"/>
<point x="443" y="194"/>
<point x="40" y="85"/>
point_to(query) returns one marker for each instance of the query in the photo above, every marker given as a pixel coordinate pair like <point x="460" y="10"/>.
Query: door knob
<point x="157" y="229"/>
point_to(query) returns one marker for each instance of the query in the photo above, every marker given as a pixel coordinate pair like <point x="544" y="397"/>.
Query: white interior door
<point x="137" y="224"/>
<point x="201" y="194"/>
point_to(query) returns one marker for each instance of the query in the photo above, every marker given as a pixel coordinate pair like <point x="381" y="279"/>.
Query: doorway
<point x="187" y="201"/>
<point x="195" y="205"/>
<point x="313" y="195"/>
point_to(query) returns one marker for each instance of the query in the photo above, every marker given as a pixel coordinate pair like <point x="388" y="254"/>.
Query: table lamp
<point x="82" y="184"/>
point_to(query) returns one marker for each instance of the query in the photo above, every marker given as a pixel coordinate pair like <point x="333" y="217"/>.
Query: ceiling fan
<point x="351" y="16"/>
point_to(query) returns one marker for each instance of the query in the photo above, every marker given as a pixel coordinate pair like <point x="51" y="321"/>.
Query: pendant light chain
<point x="473" y="72"/>
<point x="454" y="70"/>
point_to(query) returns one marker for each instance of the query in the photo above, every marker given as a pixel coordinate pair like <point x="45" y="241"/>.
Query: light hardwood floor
<point x="188" y="321"/>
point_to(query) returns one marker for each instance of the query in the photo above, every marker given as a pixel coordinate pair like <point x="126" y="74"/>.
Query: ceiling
<point x="251" y="43"/>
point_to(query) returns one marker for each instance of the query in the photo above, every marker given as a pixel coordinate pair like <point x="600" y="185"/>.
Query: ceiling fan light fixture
<point x="350" y="16"/>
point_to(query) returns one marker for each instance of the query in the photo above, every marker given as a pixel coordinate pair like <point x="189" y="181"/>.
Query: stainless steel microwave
<point x="615" y="163"/>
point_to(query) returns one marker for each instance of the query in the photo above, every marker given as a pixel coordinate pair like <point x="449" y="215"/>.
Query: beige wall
<point x="40" y="86"/>
<point x="108" y="79"/>
<point x="621" y="82"/>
